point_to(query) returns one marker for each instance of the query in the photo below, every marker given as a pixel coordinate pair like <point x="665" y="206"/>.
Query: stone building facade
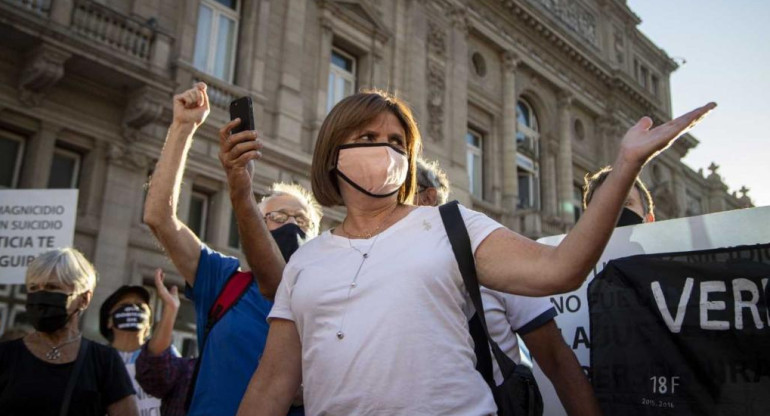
<point x="517" y="99"/>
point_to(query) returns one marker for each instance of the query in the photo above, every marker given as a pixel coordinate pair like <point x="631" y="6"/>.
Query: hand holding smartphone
<point x="242" y="108"/>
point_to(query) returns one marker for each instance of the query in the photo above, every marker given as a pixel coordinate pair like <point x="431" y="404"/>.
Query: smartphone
<point x="243" y="109"/>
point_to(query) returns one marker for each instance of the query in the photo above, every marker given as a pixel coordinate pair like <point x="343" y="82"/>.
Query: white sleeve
<point x="526" y="313"/>
<point x="282" y="305"/>
<point x="479" y="226"/>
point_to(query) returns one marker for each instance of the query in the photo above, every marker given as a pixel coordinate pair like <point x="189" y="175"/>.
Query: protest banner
<point x="33" y="221"/>
<point x="683" y="333"/>
<point x="718" y="230"/>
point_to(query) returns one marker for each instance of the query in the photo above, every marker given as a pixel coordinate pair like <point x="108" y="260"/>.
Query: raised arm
<point x="278" y="377"/>
<point x="563" y="369"/>
<point x="238" y="154"/>
<point x="511" y="263"/>
<point x="182" y="245"/>
<point x="163" y="334"/>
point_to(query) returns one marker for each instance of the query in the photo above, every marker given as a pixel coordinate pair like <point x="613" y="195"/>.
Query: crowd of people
<point x="370" y="317"/>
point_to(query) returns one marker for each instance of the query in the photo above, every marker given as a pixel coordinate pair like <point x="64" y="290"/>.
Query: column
<point x="245" y="54"/>
<point x="289" y="117"/>
<point x="458" y="92"/>
<point x="324" y="59"/>
<point x="510" y="175"/>
<point x="38" y="157"/>
<point x="219" y="219"/>
<point x="564" y="180"/>
<point x="122" y="196"/>
<point x="260" y="51"/>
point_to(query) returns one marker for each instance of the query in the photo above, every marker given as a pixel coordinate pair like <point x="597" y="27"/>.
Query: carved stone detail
<point x="127" y="157"/>
<point x="436" y="89"/>
<point x="511" y="61"/>
<point x="144" y="106"/>
<point x="574" y="16"/>
<point x="436" y="40"/>
<point x="43" y="68"/>
<point x="458" y="16"/>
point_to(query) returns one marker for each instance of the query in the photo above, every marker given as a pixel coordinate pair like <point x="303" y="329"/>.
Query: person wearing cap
<point x="124" y="321"/>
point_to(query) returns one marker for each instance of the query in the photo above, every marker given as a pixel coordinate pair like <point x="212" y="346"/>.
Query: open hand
<point x="192" y="106"/>
<point x="237" y="153"/>
<point x="170" y="299"/>
<point x="641" y="143"/>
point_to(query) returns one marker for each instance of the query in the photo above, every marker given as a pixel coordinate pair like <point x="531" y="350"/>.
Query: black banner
<point x="683" y="333"/>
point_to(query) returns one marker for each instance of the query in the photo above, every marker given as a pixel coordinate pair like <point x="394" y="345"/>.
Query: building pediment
<point x="361" y="13"/>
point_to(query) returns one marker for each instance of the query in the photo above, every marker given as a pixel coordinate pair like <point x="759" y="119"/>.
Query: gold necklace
<point x="373" y="232"/>
<point x="55" y="352"/>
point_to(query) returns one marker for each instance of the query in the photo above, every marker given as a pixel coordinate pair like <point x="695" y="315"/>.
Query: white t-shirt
<point x="148" y="405"/>
<point x="511" y="315"/>
<point x="406" y="348"/>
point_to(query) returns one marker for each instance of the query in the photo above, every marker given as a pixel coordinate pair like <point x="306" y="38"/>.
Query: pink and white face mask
<point x="376" y="169"/>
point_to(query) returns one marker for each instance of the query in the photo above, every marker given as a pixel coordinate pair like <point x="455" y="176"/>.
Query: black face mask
<point x="130" y="318"/>
<point x="288" y="237"/>
<point x="628" y="217"/>
<point x="47" y="311"/>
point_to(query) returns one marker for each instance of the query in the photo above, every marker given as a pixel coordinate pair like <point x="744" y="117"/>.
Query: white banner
<point x="33" y="221"/>
<point x="724" y="229"/>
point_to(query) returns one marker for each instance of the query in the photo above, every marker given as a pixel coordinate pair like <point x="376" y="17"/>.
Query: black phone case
<point x="243" y="109"/>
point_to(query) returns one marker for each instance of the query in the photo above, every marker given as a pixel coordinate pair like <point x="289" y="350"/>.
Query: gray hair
<point x="307" y="199"/>
<point x="68" y="265"/>
<point x="430" y="175"/>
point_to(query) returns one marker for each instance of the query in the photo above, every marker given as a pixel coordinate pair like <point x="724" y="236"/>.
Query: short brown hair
<point x="594" y="180"/>
<point x="348" y="116"/>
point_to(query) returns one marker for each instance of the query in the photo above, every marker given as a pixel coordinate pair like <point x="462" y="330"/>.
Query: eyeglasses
<point x="281" y="217"/>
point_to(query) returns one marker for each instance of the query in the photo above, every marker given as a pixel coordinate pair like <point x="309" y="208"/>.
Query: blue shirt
<point x="235" y="344"/>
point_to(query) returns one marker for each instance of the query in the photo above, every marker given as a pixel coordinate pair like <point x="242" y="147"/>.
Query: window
<point x="529" y="185"/>
<point x="527" y="145"/>
<point x="11" y="153"/>
<point x="527" y="129"/>
<point x="215" y="40"/>
<point x="65" y="169"/>
<point x="644" y="74"/>
<point x="233" y="239"/>
<point x="577" y="201"/>
<point x="655" y="83"/>
<point x="475" y="156"/>
<point x="196" y="220"/>
<point x="342" y="78"/>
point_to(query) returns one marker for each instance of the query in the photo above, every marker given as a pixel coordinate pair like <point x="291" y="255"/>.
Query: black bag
<point x="518" y="395"/>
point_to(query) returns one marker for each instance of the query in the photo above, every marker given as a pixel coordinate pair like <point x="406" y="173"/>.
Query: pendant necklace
<point x="364" y="256"/>
<point x="55" y="352"/>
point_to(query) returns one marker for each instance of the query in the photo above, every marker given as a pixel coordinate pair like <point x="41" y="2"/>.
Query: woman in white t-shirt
<point x="371" y="317"/>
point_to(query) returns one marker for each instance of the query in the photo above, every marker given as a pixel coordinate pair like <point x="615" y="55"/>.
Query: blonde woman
<point x="35" y="370"/>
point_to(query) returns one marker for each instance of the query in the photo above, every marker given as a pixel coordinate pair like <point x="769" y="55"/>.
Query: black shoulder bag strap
<point x="237" y="286"/>
<point x="73" y="380"/>
<point x="518" y="394"/>
<point x="461" y="246"/>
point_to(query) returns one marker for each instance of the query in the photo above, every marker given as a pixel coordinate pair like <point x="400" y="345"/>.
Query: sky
<point x="726" y="46"/>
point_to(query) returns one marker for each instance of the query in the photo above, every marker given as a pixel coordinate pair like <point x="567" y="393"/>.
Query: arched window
<point x="527" y="148"/>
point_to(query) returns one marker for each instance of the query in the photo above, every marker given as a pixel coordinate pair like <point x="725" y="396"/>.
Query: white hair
<point x="307" y="199"/>
<point x="68" y="265"/>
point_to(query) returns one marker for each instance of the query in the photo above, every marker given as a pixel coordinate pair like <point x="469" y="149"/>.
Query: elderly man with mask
<point x="510" y="317"/>
<point x="232" y="348"/>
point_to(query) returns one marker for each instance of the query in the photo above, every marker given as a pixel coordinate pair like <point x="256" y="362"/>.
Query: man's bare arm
<point x="160" y="210"/>
<point x="238" y="154"/>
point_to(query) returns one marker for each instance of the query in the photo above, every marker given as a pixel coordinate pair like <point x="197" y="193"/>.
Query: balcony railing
<point x="112" y="29"/>
<point x="39" y="7"/>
